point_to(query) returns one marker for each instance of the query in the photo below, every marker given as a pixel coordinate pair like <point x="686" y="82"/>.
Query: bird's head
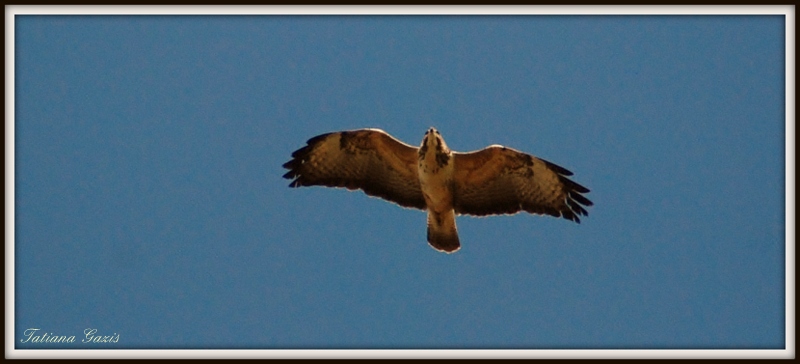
<point x="434" y="141"/>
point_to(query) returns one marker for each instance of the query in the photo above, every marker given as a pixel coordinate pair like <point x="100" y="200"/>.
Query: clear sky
<point x="150" y="203"/>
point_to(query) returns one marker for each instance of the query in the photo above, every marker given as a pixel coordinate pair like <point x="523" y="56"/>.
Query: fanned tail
<point x="442" y="232"/>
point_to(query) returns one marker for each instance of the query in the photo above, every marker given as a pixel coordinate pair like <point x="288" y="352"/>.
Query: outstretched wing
<point x="500" y="180"/>
<point x="366" y="159"/>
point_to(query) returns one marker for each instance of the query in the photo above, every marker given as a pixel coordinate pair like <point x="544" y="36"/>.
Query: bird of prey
<point x="493" y="180"/>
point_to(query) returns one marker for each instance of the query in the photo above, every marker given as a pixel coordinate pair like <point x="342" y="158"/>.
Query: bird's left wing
<point x="500" y="180"/>
<point x="366" y="159"/>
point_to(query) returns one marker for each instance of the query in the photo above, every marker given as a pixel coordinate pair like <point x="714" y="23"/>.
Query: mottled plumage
<point x="494" y="180"/>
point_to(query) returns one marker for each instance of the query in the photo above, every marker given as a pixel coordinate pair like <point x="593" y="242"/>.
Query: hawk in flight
<point x="493" y="180"/>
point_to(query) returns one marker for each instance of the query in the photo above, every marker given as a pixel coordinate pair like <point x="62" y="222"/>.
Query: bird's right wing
<point x="366" y="159"/>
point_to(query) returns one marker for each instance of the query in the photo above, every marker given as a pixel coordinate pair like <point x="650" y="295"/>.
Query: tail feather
<point x="442" y="232"/>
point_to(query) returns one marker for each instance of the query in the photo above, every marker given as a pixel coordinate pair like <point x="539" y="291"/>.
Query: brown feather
<point x="494" y="180"/>
<point x="366" y="159"/>
<point x="500" y="180"/>
<point x="442" y="231"/>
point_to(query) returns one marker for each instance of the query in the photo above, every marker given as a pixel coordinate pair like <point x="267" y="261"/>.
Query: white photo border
<point x="787" y="10"/>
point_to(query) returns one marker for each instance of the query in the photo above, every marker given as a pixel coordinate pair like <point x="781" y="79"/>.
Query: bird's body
<point x="436" y="171"/>
<point x="493" y="180"/>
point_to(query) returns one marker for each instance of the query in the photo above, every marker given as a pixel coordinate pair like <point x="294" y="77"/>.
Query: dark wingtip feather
<point x="574" y="190"/>
<point x="314" y="140"/>
<point x="299" y="156"/>
<point x="577" y="187"/>
<point x="581" y="199"/>
<point x="292" y="164"/>
<point x="574" y="200"/>
<point x="558" y="169"/>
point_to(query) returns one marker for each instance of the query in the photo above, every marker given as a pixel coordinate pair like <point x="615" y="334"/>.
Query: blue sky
<point x="150" y="203"/>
